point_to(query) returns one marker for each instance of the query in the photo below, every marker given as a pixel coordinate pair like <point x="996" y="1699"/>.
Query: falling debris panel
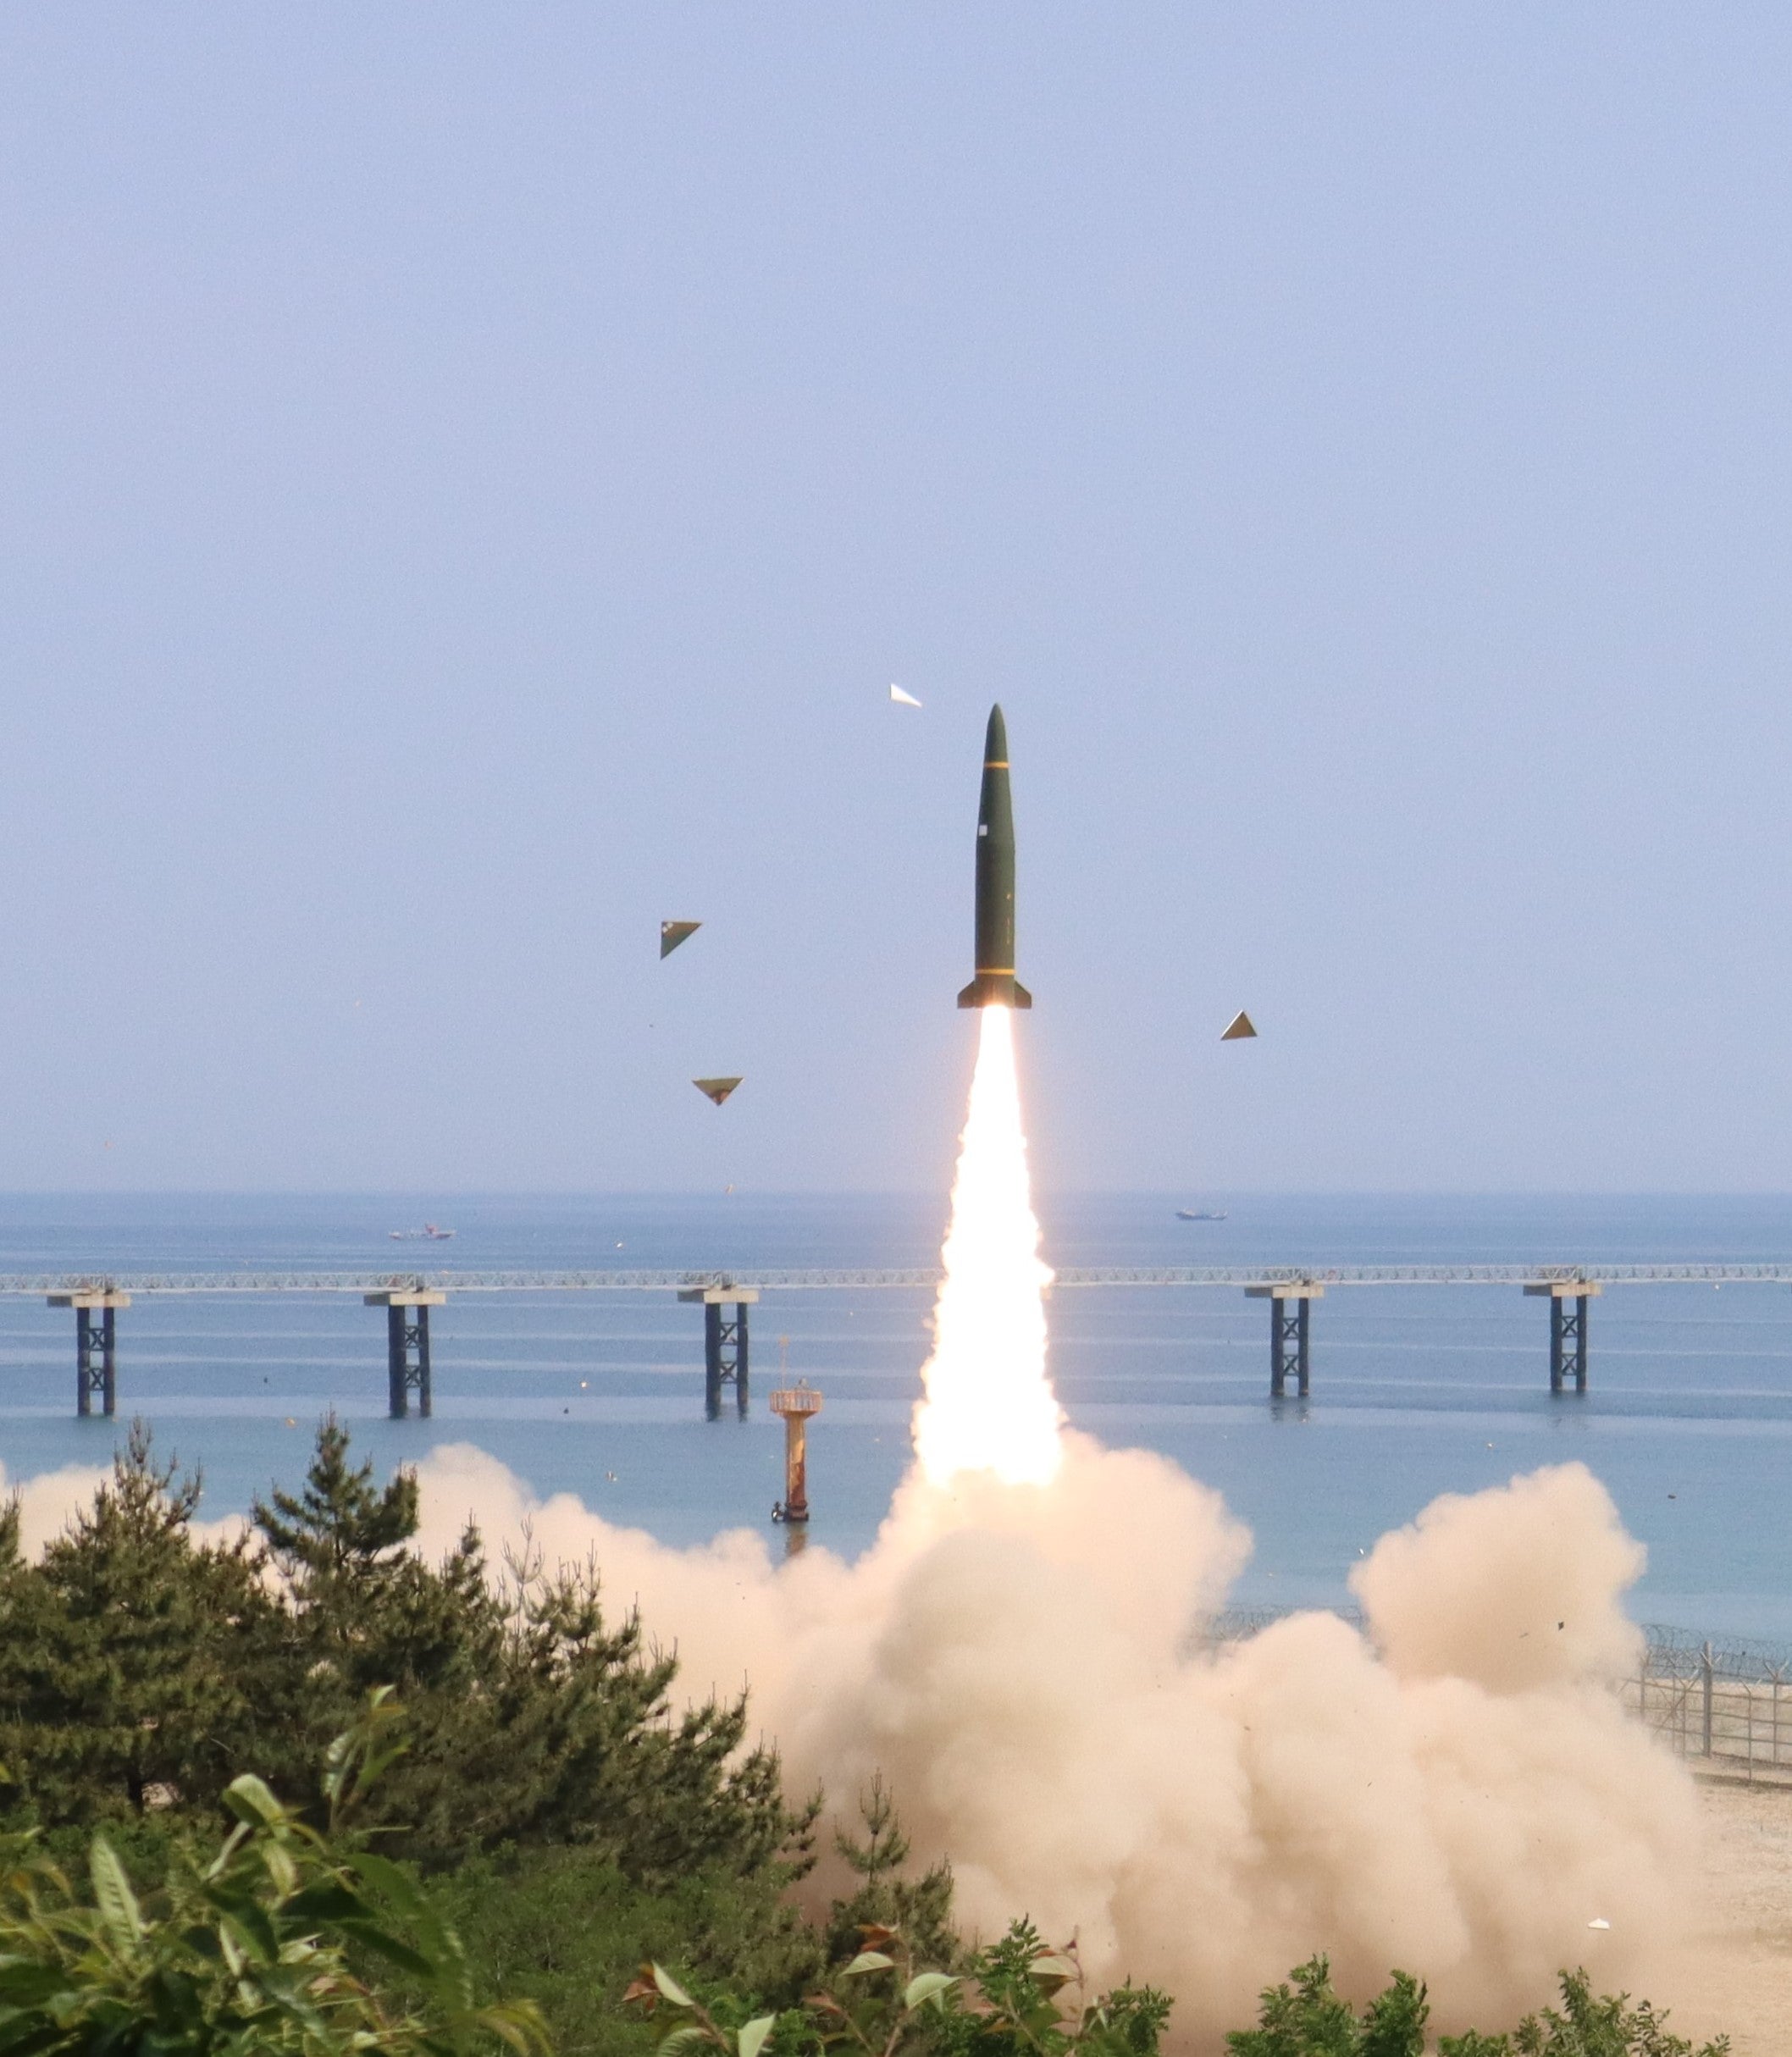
<point x="673" y="933"/>
<point x="716" y="1089"/>
<point x="1237" y="1028"/>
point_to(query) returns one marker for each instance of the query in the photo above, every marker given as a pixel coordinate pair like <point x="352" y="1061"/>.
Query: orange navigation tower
<point x="796" y="1403"/>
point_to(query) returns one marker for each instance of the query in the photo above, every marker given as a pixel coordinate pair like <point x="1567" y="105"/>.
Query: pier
<point x="727" y="1296"/>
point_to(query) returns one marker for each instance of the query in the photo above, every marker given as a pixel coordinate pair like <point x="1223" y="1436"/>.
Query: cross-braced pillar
<point x="725" y="1359"/>
<point x="407" y="1347"/>
<point x="1568" y="1329"/>
<point x="96" y="1346"/>
<point x="1291" y="1330"/>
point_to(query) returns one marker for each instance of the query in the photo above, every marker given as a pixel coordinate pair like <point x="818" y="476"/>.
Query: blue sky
<point x="471" y="475"/>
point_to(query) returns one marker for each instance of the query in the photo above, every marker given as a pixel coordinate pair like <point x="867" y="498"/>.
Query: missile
<point x="995" y="984"/>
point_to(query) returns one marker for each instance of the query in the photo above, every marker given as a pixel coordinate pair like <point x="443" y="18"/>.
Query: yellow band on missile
<point x="995" y="970"/>
<point x="995" y="764"/>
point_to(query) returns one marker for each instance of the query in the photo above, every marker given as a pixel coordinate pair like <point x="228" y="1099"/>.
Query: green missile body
<point x="995" y="984"/>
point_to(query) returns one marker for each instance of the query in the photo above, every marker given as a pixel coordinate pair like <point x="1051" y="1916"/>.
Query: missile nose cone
<point x="995" y="738"/>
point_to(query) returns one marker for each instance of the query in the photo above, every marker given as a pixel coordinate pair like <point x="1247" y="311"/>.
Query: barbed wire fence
<point x="1724" y="1706"/>
<point x="1727" y="1704"/>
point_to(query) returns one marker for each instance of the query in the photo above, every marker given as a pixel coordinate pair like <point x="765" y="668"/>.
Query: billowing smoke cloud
<point x="47" y="1502"/>
<point x="1021" y="1654"/>
<point x="1454" y="1791"/>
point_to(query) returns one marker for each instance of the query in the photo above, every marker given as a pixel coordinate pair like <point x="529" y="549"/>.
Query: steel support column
<point x="724" y="1357"/>
<point x="1290" y="1334"/>
<point x="95" y="1346"/>
<point x="407" y="1361"/>
<point x="712" y="1360"/>
<point x="725" y="1348"/>
<point x="1289" y="1344"/>
<point x="1567" y="1330"/>
<point x="407" y="1349"/>
<point x="96" y="1360"/>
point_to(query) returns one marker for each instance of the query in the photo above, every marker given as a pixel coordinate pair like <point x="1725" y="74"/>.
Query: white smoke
<point x="1455" y="1791"/>
<point x="49" y="1501"/>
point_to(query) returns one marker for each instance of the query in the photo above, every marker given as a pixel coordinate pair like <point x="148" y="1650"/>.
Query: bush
<point x="140" y="1671"/>
<point x="1308" y="2020"/>
<point x="260" y="1948"/>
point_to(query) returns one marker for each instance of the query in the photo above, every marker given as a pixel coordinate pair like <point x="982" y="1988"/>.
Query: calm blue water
<point x="1416" y="1392"/>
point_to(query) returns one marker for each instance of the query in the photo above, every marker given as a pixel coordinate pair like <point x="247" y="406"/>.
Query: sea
<point x="1416" y="1390"/>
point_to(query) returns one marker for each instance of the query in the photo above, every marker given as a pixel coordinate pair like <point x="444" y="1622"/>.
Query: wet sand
<point x="1735" y="1974"/>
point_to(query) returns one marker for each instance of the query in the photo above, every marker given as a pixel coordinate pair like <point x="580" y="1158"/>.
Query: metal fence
<point x="1725" y="1707"/>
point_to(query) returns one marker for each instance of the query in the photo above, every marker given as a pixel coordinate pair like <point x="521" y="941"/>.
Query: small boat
<point x="428" y="1233"/>
<point x="1185" y="1213"/>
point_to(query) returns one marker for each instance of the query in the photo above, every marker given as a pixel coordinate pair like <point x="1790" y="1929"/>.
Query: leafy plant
<point x="259" y="1948"/>
<point x="1308" y="2018"/>
<point x="1586" y="2025"/>
<point x="918" y="1909"/>
<point x="1009" y="2003"/>
<point x="140" y="1670"/>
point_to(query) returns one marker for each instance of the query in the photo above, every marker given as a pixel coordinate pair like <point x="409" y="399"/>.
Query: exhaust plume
<point x="1024" y="1654"/>
<point x="1453" y="1791"/>
<point x="989" y="1406"/>
<point x="1026" y="1664"/>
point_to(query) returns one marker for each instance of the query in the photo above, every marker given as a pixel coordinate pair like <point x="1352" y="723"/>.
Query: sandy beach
<point x="1734" y="1975"/>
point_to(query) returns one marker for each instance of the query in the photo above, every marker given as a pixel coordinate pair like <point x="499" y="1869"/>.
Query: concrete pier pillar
<point x="96" y="1346"/>
<point x="1290" y="1332"/>
<point x="407" y="1347"/>
<point x="725" y="1350"/>
<point x="1567" y="1331"/>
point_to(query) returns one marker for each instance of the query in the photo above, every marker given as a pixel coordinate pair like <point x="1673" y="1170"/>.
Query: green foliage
<point x="140" y="1670"/>
<point x="1011" y="2001"/>
<point x="551" y="1803"/>
<point x="919" y="1909"/>
<point x="533" y="1721"/>
<point x="1308" y="2018"/>
<point x="568" y="1928"/>
<point x="1586" y="2026"/>
<point x="258" y="1948"/>
<point x="135" y="1665"/>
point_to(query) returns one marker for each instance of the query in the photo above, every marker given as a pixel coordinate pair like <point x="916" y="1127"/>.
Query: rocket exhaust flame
<point x="988" y="1404"/>
<point x="1025" y="1653"/>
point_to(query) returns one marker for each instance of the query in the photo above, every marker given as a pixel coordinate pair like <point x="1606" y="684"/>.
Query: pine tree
<point x="919" y="1908"/>
<point x="339" y="1529"/>
<point x="531" y="1719"/>
<point x="135" y="1664"/>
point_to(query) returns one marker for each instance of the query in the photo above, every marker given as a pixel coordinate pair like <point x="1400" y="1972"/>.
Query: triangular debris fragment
<point x="716" y="1089"/>
<point x="902" y="699"/>
<point x="1238" y="1026"/>
<point x="673" y="933"/>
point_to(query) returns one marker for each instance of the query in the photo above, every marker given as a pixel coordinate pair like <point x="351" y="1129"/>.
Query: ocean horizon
<point x="1417" y="1390"/>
